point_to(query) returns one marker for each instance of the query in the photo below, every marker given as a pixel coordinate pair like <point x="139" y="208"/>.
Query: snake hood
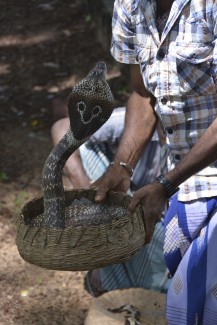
<point x="90" y="104"/>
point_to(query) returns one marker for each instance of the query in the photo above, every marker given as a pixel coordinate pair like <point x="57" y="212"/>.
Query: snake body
<point x="85" y="215"/>
<point x="90" y="104"/>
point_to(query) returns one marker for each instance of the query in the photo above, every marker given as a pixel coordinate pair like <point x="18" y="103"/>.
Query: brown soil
<point x="46" y="47"/>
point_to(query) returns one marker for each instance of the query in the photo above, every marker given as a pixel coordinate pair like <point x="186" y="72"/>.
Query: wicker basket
<point x="80" y="248"/>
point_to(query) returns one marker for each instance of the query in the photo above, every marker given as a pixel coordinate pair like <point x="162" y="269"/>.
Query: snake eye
<point x="81" y="106"/>
<point x="97" y="110"/>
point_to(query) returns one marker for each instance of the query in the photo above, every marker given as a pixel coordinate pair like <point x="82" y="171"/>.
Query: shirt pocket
<point x="195" y="69"/>
<point x="194" y="56"/>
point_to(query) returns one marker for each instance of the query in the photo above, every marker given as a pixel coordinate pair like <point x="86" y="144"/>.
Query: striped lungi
<point x="191" y="256"/>
<point x="147" y="268"/>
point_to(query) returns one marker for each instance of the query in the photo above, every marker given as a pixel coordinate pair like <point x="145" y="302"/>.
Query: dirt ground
<point x="46" y="47"/>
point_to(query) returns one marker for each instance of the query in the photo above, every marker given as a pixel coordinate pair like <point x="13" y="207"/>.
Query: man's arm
<point x="140" y="122"/>
<point x="153" y="196"/>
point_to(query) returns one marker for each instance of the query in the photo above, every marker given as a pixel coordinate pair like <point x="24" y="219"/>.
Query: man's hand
<point x="153" y="200"/>
<point x="116" y="178"/>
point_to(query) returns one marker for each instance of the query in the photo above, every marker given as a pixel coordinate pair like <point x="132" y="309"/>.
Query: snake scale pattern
<point x="90" y="104"/>
<point x="85" y="215"/>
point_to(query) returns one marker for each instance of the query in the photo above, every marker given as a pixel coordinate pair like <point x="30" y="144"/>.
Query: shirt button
<point x="170" y="130"/>
<point x="164" y="100"/>
<point x="161" y="54"/>
<point x="177" y="157"/>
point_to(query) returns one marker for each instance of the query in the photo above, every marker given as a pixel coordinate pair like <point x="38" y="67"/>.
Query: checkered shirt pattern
<point x="179" y="69"/>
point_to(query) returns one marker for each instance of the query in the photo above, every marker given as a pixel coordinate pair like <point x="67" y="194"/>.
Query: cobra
<point x="90" y="104"/>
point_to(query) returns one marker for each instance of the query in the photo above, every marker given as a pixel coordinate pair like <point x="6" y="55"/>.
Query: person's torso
<point x="179" y="69"/>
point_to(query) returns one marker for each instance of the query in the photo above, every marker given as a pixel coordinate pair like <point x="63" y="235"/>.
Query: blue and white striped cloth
<point x="190" y="254"/>
<point x="146" y="269"/>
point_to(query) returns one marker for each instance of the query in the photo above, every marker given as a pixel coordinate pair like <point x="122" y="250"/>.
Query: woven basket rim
<point x="34" y="207"/>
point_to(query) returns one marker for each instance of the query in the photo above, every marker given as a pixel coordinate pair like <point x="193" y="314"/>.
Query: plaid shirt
<point x="179" y="70"/>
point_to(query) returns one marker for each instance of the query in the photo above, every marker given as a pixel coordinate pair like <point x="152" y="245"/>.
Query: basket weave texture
<point x="79" y="248"/>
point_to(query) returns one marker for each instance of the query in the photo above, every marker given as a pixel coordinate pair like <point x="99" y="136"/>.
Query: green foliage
<point x="3" y="176"/>
<point x="87" y="18"/>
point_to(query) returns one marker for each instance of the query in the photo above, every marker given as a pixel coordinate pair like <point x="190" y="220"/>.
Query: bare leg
<point x="73" y="167"/>
<point x="59" y="109"/>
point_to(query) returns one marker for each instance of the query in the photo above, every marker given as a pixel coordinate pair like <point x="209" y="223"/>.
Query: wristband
<point x="125" y="165"/>
<point x="168" y="186"/>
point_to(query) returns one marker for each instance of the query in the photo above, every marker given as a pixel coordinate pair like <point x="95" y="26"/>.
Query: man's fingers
<point x="101" y="194"/>
<point x="101" y="190"/>
<point x="132" y="205"/>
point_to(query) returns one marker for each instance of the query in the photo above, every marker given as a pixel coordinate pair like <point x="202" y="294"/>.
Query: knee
<point x="59" y="129"/>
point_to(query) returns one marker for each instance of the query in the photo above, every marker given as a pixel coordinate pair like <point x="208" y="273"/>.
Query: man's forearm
<point x="140" y="122"/>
